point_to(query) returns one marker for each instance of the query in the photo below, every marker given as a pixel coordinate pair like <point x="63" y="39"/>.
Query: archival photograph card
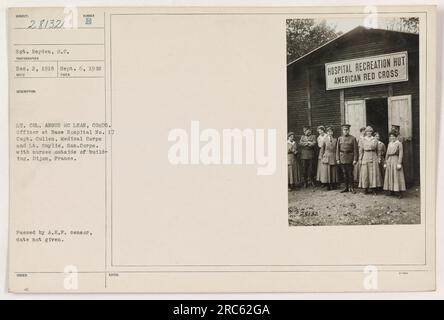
<point x="222" y="150"/>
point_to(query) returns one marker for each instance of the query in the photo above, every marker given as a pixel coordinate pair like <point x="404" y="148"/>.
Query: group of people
<point x="365" y="161"/>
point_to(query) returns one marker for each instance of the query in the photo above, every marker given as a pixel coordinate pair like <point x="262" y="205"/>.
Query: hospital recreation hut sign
<point x="367" y="71"/>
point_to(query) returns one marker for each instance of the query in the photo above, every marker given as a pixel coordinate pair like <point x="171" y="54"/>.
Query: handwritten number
<point x="46" y="24"/>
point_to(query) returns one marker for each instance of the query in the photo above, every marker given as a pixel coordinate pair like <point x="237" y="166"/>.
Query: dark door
<point x="377" y="116"/>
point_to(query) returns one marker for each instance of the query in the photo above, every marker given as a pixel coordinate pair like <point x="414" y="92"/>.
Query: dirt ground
<point x="319" y="207"/>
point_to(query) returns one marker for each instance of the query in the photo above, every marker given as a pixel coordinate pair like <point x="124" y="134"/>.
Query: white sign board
<point x="367" y="71"/>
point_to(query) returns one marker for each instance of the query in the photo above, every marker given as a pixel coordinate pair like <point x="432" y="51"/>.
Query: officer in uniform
<point x="307" y="145"/>
<point x="347" y="156"/>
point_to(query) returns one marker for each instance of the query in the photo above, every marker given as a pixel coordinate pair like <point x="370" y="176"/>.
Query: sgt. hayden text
<point x="231" y="146"/>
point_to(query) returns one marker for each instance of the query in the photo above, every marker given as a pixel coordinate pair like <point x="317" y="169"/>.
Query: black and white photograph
<point x="353" y="141"/>
<point x="144" y="152"/>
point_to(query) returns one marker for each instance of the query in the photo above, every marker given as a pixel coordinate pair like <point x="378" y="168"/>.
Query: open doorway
<point x="377" y="116"/>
